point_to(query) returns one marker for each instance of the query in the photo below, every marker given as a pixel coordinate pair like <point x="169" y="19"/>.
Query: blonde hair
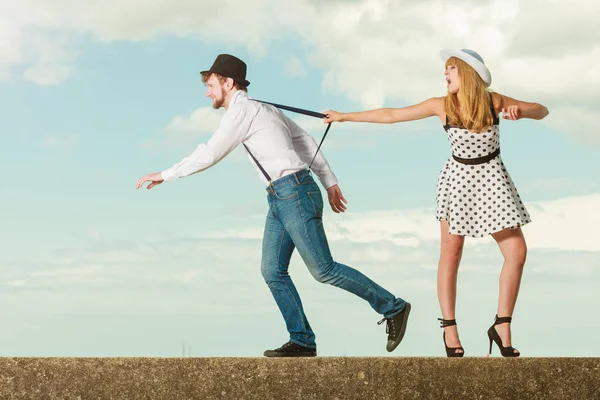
<point x="473" y="98"/>
<point x="221" y="78"/>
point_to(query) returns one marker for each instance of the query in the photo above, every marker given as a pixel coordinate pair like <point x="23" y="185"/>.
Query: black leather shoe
<point x="396" y="326"/>
<point x="291" y="349"/>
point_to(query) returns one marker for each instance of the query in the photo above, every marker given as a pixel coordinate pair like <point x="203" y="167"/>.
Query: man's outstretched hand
<point x="336" y="199"/>
<point x="154" y="179"/>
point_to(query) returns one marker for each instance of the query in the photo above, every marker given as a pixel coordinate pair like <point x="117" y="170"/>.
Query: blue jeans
<point x="295" y="221"/>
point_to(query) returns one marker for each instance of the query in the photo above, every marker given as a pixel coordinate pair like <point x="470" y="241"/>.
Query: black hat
<point x="231" y="67"/>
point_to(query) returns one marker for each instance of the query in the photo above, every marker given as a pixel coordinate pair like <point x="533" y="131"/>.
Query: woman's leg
<point x="450" y="255"/>
<point x="514" y="249"/>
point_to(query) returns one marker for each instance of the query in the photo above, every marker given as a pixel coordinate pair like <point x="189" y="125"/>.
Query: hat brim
<point x="238" y="80"/>
<point x="477" y="65"/>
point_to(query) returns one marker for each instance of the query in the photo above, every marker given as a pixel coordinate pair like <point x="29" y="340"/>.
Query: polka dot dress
<point x="479" y="199"/>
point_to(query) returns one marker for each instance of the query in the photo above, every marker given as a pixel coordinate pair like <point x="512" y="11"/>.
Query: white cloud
<point x="374" y="51"/>
<point x="43" y="56"/>
<point x="295" y="68"/>
<point x="183" y="130"/>
<point x="380" y="242"/>
<point x="10" y="42"/>
<point x="80" y="271"/>
<point x="201" y="120"/>
<point x="580" y="121"/>
<point x="384" y="60"/>
<point x="109" y="264"/>
<point x="187" y="132"/>
<point x="408" y="228"/>
<point x="52" y="58"/>
<point x="564" y="224"/>
<point x="16" y="283"/>
<point x="47" y="73"/>
<point x="26" y="22"/>
<point x="556" y="29"/>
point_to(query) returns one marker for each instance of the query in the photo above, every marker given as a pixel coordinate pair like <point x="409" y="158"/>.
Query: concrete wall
<point x="311" y="378"/>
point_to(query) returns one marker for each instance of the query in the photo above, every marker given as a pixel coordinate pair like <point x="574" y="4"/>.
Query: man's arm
<point x="306" y="146"/>
<point x="231" y="132"/>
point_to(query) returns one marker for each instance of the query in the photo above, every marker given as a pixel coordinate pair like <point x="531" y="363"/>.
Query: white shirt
<point x="278" y="143"/>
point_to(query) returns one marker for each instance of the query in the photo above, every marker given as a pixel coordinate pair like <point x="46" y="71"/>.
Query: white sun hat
<point x="473" y="59"/>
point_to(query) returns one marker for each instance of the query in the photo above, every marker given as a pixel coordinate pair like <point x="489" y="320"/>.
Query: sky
<point x="97" y="94"/>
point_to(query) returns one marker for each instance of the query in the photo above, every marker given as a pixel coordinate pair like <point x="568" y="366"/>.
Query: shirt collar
<point x="237" y="96"/>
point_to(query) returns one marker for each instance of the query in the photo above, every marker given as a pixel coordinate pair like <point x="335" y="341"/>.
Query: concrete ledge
<point x="316" y="378"/>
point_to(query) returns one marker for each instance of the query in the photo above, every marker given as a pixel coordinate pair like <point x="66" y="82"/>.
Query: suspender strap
<point x="299" y="111"/>
<point x="296" y="110"/>
<point x="317" y="152"/>
<point x="258" y="164"/>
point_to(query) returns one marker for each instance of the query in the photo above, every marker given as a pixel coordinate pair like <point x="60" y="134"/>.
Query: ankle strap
<point x="446" y="322"/>
<point x="502" y="320"/>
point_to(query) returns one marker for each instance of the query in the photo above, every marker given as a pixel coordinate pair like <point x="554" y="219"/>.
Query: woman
<point x="476" y="196"/>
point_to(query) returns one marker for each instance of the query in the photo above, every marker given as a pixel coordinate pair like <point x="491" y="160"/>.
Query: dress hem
<point x="479" y="236"/>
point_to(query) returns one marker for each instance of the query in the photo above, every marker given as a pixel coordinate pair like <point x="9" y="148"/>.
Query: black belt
<point x="478" y="160"/>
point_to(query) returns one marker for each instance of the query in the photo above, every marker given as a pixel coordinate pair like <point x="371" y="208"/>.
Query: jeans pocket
<point x="287" y="192"/>
<point x="306" y="179"/>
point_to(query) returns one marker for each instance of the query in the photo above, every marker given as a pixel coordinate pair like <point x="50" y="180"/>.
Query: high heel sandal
<point x="494" y="337"/>
<point x="450" y="351"/>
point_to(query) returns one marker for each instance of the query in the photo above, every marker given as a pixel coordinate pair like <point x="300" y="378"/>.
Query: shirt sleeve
<point x="306" y="146"/>
<point x="232" y="130"/>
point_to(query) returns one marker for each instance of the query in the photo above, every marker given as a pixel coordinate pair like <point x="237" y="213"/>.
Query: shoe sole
<point x="303" y="354"/>
<point x="395" y="344"/>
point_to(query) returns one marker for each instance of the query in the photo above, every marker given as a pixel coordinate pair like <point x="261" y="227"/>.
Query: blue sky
<point x="91" y="101"/>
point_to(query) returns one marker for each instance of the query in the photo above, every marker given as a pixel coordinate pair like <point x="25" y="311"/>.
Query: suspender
<point x="257" y="163"/>
<point x="299" y="111"/>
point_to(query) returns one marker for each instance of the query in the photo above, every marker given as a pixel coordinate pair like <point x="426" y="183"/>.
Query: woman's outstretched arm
<point x="427" y="108"/>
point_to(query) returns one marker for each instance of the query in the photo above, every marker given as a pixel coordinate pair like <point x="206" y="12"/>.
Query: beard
<point x="217" y="103"/>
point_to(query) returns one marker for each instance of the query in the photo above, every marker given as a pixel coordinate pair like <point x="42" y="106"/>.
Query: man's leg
<point x="276" y="253"/>
<point x="302" y="219"/>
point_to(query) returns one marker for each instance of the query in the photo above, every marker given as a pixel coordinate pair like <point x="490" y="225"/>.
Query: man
<point x="281" y="152"/>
